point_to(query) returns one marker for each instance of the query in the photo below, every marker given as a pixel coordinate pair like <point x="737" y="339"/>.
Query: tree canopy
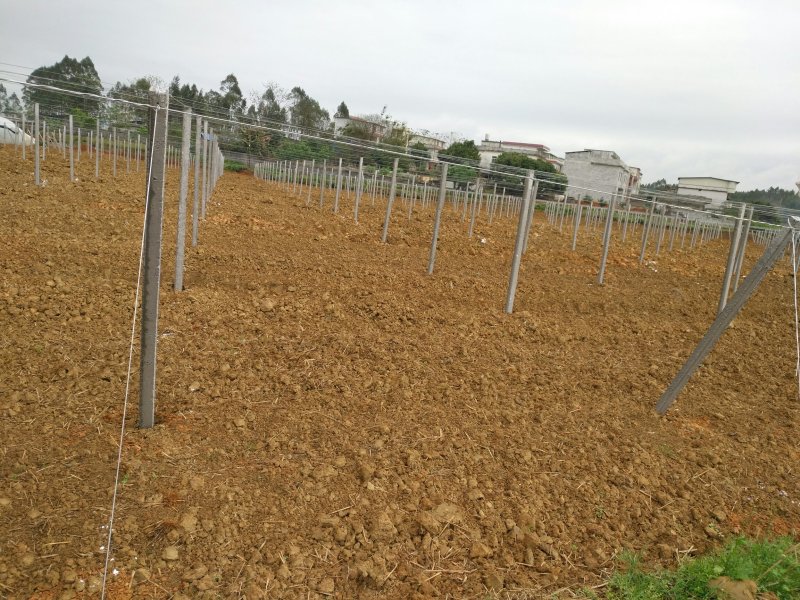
<point x="342" y="111"/>
<point x="465" y="149"/>
<point x="68" y="73"/>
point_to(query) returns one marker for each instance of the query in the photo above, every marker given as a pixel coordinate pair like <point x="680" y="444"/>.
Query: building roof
<point x="524" y="144"/>
<point x="707" y="177"/>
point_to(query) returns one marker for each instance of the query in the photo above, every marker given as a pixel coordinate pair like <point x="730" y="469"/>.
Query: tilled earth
<point x="334" y="423"/>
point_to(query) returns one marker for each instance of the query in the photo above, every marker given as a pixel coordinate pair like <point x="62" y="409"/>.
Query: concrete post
<point x="732" y="256"/>
<point x="742" y="249"/>
<point x="322" y="183"/>
<point x="37" y="140"/>
<point x="359" y="186"/>
<point x="204" y="197"/>
<point x="438" y="217"/>
<point x="152" y="260"/>
<point x="606" y="240"/>
<point x="196" y="204"/>
<point x="71" y="152"/>
<point x="519" y="244"/>
<point x="97" y="150"/>
<point x="181" y="240"/>
<point x="646" y="231"/>
<point x="338" y="188"/>
<point x="390" y="200"/>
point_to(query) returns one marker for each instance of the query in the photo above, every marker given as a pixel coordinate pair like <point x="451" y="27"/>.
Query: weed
<point x="773" y="564"/>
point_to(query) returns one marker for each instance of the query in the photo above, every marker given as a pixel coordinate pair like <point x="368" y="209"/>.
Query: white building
<point x="713" y="188"/>
<point x="491" y="149"/>
<point x="599" y="175"/>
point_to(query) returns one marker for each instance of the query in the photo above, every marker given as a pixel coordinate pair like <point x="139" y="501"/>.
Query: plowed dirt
<point x="334" y="423"/>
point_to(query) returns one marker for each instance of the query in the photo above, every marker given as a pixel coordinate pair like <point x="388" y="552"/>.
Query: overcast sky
<point x="677" y="88"/>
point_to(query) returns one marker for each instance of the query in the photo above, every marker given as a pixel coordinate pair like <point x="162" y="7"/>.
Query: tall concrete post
<point x="37" y="139"/>
<point x="152" y="259"/>
<point x="181" y="240"/>
<point x="71" y="152"/>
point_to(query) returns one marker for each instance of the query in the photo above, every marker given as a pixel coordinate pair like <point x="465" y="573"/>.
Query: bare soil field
<point x="334" y="423"/>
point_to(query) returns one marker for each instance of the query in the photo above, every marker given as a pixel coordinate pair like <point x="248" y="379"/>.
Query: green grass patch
<point x="235" y="166"/>
<point x="774" y="566"/>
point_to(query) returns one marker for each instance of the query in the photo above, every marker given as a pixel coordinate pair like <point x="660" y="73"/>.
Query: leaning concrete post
<point x="742" y="249"/>
<point x="519" y="244"/>
<point x="732" y="254"/>
<point x="152" y="259"/>
<point x="392" y="191"/>
<point x="438" y="218"/>
<point x="532" y="209"/>
<point x="181" y="241"/>
<point x="646" y="231"/>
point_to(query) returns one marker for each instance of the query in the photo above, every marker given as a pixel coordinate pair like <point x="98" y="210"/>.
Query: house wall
<point x="581" y="172"/>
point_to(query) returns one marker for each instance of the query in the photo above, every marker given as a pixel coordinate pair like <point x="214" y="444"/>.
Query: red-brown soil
<point x="332" y="422"/>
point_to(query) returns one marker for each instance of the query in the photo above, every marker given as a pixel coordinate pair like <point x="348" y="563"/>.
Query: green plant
<point x="774" y="565"/>
<point x="236" y="167"/>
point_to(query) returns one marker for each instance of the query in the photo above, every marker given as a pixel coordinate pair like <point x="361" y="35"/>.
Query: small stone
<point x="194" y="386"/>
<point x="27" y="560"/>
<point x="326" y="586"/>
<point x="69" y="576"/>
<point x="340" y="461"/>
<point x="719" y="515"/>
<point x="4" y="502"/>
<point x="480" y="550"/>
<point x="141" y="575"/>
<point x="170" y="553"/>
<point x="493" y="581"/>
<point x="189" y="522"/>
<point x="475" y="495"/>
<point x="239" y="422"/>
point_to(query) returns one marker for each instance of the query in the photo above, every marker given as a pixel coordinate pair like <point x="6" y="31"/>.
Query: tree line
<point x="283" y="113"/>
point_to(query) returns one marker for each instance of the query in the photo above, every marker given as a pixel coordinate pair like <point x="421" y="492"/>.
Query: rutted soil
<point x="334" y="423"/>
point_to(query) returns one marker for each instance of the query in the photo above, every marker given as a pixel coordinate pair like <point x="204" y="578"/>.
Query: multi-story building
<point x="599" y="175"/>
<point x="490" y="149"/>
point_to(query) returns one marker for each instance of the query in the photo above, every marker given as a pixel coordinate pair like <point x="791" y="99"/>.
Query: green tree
<point x="69" y="74"/>
<point x="306" y="112"/>
<point x="342" y="111"/>
<point x="552" y="182"/>
<point x="464" y="149"/>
